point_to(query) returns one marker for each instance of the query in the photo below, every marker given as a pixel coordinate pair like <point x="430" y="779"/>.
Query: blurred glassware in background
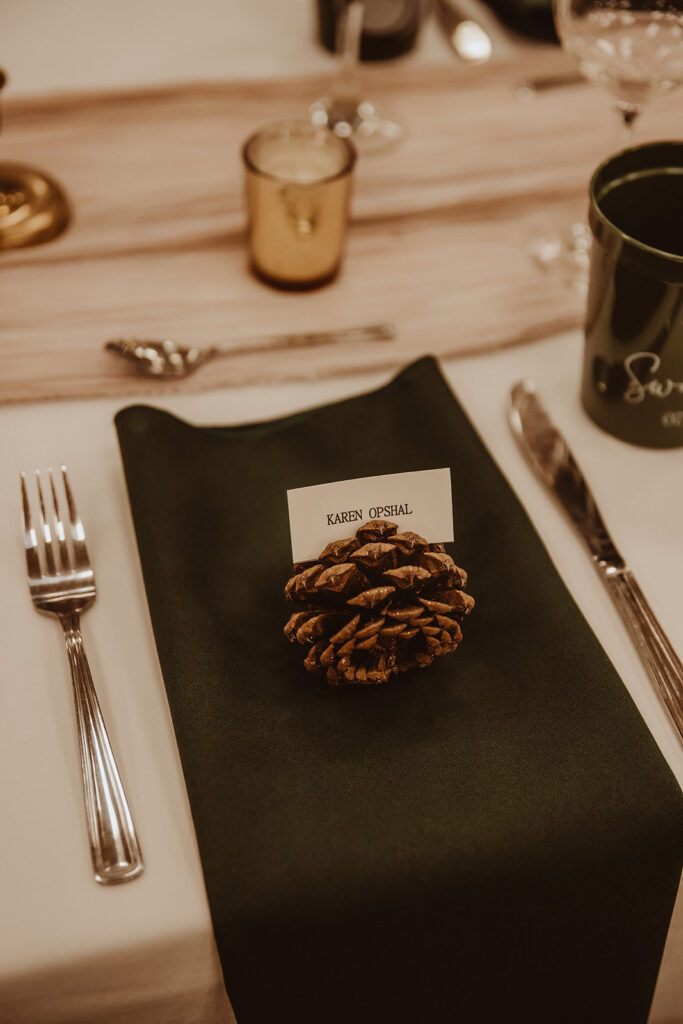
<point x="466" y="37"/>
<point x="532" y="18"/>
<point x="298" y="184"/>
<point x="344" y="109"/>
<point x="634" y="49"/>
<point x="33" y="207"/>
<point x="390" y="27"/>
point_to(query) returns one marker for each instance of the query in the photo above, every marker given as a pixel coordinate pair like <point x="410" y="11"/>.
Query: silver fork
<point x="62" y="583"/>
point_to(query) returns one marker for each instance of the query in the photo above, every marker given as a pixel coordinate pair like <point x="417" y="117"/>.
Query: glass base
<point x="565" y="255"/>
<point x="290" y="285"/>
<point x="361" y="121"/>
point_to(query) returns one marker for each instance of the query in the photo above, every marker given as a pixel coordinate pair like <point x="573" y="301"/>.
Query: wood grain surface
<point x="437" y="241"/>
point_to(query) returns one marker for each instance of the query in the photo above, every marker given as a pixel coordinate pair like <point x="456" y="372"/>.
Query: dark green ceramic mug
<point x="633" y="360"/>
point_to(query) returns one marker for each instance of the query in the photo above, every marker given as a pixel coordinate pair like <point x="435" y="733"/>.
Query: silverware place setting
<point x="167" y="358"/>
<point x="552" y="460"/>
<point x="61" y="581"/>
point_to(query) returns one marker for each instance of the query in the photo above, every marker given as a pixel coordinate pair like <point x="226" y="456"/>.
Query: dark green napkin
<point x="496" y="838"/>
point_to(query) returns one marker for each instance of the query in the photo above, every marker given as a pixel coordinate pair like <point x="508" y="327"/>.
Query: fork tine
<point x="30" y="537"/>
<point x="47" y="532"/>
<point x="77" y="532"/>
<point x="60" y="533"/>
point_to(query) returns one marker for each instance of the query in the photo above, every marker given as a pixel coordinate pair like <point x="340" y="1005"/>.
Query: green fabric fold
<point x="496" y="837"/>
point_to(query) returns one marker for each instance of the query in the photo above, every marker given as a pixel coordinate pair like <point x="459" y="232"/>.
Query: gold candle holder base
<point x="33" y="207"/>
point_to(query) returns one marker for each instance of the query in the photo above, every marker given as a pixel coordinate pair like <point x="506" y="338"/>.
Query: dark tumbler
<point x="633" y="359"/>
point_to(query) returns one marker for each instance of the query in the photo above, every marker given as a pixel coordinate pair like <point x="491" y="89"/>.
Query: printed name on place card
<point x="420" y="502"/>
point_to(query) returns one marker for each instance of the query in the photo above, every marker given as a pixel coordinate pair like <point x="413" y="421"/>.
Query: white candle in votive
<point x="301" y="160"/>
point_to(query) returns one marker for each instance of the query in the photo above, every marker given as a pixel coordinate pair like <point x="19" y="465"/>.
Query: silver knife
<point x="551" y="458"/>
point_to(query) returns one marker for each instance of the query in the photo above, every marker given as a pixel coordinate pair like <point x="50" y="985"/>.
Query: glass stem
<point x="345" y="85"/>
<point x="628" y="113"/>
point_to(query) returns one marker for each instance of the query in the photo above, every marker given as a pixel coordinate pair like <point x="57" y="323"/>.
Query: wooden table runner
<point x="437" y="242"/>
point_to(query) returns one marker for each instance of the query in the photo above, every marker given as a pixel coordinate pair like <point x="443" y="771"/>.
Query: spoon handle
<point x="306" y="339"/>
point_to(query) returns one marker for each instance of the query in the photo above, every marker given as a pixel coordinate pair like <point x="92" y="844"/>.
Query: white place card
<point x="420" y="502"/>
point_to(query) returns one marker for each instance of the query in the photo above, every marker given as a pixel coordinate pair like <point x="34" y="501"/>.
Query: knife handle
<point x="661" y="661"/>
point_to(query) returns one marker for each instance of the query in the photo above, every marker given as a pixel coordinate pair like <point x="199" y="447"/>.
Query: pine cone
<point x="376" y="604"/>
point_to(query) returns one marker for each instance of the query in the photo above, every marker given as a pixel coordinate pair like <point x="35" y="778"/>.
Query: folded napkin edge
<point x="146" y="408"/>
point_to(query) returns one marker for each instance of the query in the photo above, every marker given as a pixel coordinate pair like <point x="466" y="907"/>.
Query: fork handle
<point x="661" y="661"/>
<point x="113" y="842"/>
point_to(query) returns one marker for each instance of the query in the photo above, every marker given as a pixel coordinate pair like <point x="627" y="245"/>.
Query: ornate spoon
<point x="169" y="359"/>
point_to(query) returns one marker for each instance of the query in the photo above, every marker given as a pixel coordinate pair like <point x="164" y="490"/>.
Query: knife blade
<point x="551" y="458"/>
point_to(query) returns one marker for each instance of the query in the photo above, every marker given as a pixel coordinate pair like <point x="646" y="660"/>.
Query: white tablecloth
<point x="72" y="951"/>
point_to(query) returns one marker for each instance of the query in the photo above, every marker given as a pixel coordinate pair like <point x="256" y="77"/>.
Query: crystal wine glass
<point x="344" y="110"/>
<point x="634" y="49"/>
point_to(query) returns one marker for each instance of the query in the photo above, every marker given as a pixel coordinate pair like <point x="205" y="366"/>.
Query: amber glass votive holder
<point x="298" y="184"/>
